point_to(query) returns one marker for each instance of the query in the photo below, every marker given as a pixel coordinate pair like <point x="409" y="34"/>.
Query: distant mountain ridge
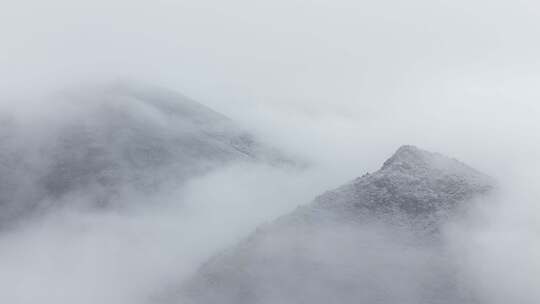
<point x="373" y="240"/>
<point x="101" y="141"/>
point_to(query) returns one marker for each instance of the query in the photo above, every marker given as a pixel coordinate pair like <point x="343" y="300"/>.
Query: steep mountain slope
<point x="374" y="240"/>
<point x="413" y="187"/>
<point x="92" y="145"/>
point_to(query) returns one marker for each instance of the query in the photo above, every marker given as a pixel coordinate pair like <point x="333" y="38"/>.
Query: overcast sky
<point x="353" y="75"/>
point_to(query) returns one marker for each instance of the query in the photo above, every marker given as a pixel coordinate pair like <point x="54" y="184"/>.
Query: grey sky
<point x="458" y="70"/>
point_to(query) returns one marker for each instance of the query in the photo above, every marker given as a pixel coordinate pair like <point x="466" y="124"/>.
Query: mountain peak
<point x="406" y="203"/>
<point x="409" y="150"/>
<point x="412" y="160"/>
<point x="410" y="156"/>
<point x="412" y="182"/>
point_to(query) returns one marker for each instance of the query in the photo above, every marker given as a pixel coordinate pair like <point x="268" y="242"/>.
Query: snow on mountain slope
<point x="376" y="239"/>
<point x="413" y="187"/>
<point x="91" y="145"/>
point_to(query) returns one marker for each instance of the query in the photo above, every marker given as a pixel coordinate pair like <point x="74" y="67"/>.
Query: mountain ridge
<point x="116" y="138"/>
<point x="402" y="206"/>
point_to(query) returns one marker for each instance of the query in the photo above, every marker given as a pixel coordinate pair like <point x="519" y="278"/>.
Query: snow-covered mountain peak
<point x="408" y="155"/>
<point x="414" y="183"/>
<point x="351" y="244"/>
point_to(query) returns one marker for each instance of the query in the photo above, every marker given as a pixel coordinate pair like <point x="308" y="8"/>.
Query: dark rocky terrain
<point x="377" y="239"/>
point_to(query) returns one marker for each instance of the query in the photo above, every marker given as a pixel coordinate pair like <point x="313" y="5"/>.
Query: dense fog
<point x="116" y="188"/>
